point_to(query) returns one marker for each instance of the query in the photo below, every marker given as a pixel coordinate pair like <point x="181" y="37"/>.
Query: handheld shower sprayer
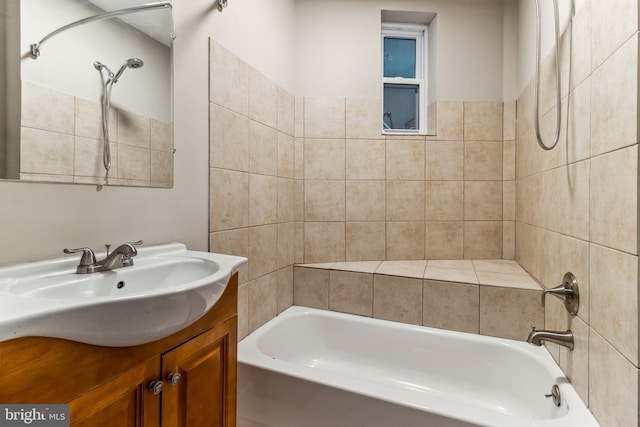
<point x="112" y="78"/>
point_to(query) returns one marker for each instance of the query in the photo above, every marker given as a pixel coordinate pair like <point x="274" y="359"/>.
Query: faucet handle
<point x="567" y="292"/>
<point x="137" y="243"/>
<point x="88" y="257"/>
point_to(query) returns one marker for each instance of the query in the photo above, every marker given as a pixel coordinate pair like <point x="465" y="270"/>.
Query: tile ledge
<point x="524" y="280"/>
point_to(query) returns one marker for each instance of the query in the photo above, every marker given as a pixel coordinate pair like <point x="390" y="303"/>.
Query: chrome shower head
<point x="133" y="63"/>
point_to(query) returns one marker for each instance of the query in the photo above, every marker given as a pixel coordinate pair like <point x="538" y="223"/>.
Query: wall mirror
<point x="87" y="90"/>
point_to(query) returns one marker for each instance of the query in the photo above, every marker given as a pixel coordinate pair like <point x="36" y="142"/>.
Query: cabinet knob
<point x="174" y="378"/>
<point x="155" y="387"/>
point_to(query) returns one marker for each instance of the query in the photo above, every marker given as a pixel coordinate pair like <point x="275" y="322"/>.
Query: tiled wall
<point x="362" y="195"/>
<point x="252" y="183"/>
<point x="489" y="297"/>
<point x="61" y="140"/>
<point x="577" y="204"/>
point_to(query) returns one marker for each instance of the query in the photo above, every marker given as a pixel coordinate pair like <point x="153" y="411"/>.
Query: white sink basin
<point x="167" y="289"/>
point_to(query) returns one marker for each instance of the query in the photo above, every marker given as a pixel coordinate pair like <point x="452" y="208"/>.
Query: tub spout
<point x="563" y="338"/>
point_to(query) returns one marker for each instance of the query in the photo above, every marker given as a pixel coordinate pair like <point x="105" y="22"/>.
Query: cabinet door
<point x="205" y="396"/>
<point x="124" y="401"/>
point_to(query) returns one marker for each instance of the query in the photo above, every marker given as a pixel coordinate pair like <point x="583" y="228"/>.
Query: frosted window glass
<point x="401" y="106"/>
<point x="399" y="57"/>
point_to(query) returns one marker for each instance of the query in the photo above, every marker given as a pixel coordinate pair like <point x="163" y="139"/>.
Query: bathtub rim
<point x="576" y="414"/>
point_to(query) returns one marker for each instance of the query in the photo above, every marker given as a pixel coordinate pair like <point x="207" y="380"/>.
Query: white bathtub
<point x="310" y="368"/>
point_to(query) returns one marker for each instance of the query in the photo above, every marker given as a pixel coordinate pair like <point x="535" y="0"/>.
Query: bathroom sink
<point x="167" y="289"/>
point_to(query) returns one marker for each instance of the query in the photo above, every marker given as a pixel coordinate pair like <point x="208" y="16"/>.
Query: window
<point x="403" y="77"/>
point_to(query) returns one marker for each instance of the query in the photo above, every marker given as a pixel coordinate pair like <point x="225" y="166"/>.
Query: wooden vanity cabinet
<point x="110" y="387"/>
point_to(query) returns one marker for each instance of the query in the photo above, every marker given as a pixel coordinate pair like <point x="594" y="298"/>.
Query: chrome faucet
<point x="122" y="256"/>
<point x="563" y="338"/>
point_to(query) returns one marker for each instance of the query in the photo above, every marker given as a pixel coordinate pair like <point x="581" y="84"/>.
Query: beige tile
<point x="285" y="249"/>
<point x="88" y="119"/>
<point x="365" y="159"/>
<point x="299" y="158"/>
<point x="482" y="239"/>
<point x="161" y="166"/>
<point x="232" y="242"/>
<point x="483" y="121"/>
<point x="449" y="121"/>
<point x="610" y="27"/>
<point x="575" y="190"/>
<point x="508" y="239"/>
<point x="509" y="200"/>
<point x="483" y="160"/>
<point x="444" y="240"/>
<point x="263" y="199"/>
<point x="509" y="313"/>
<point x="263" y="99"/>
<point x="47" y="109"/>
<point x="450" y="275"/>
<point x="351" y="292"/>
<point x="529" y="249"/>
<point x="444" y="201"/>
<point x="298" y="200"/>
<point x="161" y="135"/>
<point x="286" y="156"/>
<point x="405" y="200"/>
<point x="286" y="200"/>
<point x="298" y="244"/>
<point x="299" y="117"/>
<point x="581" y="44"/>
<point x="498" y="266"/>
<point x="453" y="306"/>
<point x="134" y="129"/>
<point x="263" y="300"/>
<point x="286" y="112"/>
<point x="228" y="138"/>
<point x="575" y="363"/>
<point x="483" y="200"/>
<point x="365" y="200"/>
<point x="324" y="200"/>
<point x="613" y="202"/>
<point x="614" y="107"/>
<point x="228" y="79"/>
<point x="321" y="265"/>
<point x="324" y="158"/>
<point x="363" y="118"/>
<point x="285" y="288"/>
<point x="414" y="269"/>
<point x="311" y="287"/>
<point x="405" y="240"/>
<point x="59" y="178"/>
<point x="398" y="299"/>
<point x="365" y="241"/>
<point x="88" y="158"/>
<point x="324" y="117"/>
<point x="509" y="160"/>
<point x="243" y="311"/>
<point x="357" y="266"/>
<point x="579" y="123"/>
<point x="44" y="152"/>
<point x="263" y="149"/>
<point x="613" y="384"/>
<point x="445" y="160"/>
<point x="262" y="250"/>
<point x="134" y="163"/>
<point x="324" y="241"/>
<point x="405" y="159"/>
<point x="614" y="298"/>
<point x="507" y="280"/>
<point x="509" y="121"/>
<point x="456" y="264"/>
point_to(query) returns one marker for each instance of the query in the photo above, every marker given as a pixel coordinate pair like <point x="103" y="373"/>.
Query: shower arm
<point x="35" y="47"/>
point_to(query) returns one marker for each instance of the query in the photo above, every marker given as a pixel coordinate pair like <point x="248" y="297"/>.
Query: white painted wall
<point x="38" y="220"/>
<point x="527" y="33"/>
<point x="337" y="47"/>
<point x="66" y="62"/>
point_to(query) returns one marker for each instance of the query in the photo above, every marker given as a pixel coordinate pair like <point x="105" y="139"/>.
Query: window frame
<point x="420" y="34"/>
